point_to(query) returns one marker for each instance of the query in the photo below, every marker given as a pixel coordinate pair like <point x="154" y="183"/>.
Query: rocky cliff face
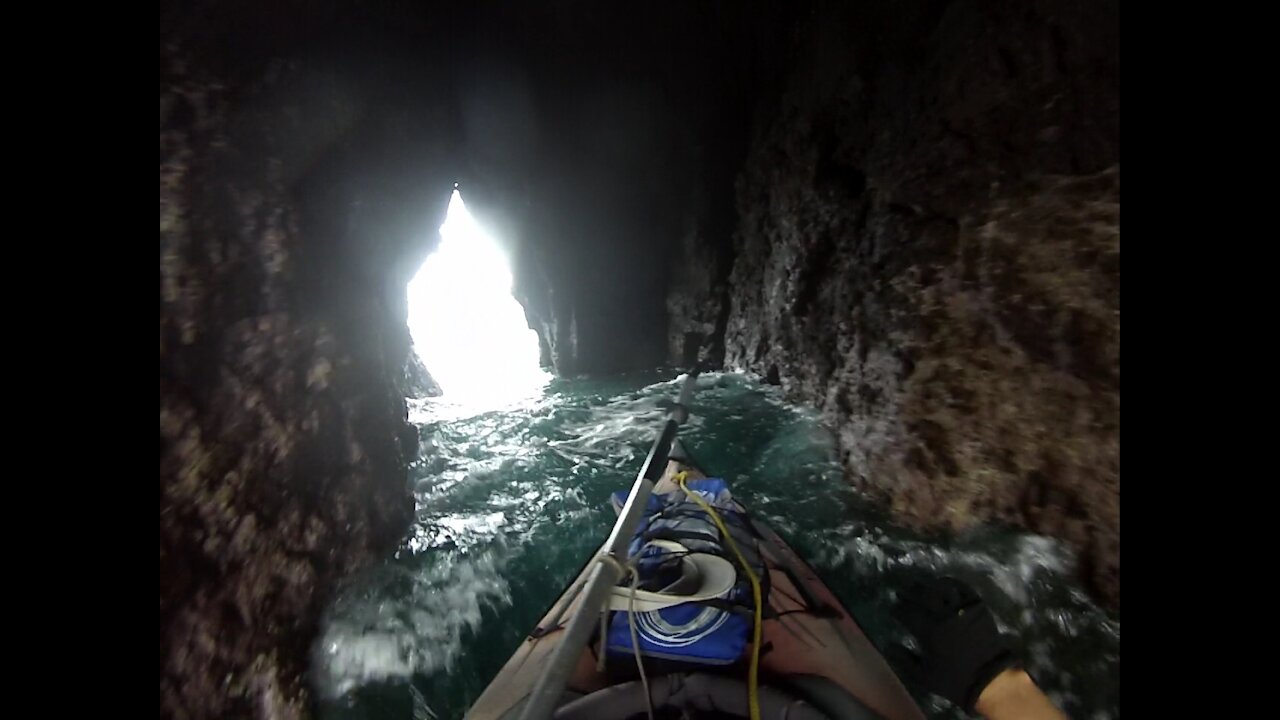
<point x="283" y="348"/>
<point x="928" y="251"/>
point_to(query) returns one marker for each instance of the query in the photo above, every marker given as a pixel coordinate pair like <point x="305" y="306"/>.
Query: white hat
<point x="710" y="575"/>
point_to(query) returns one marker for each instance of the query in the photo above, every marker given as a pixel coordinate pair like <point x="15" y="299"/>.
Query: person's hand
<point x="960" y="648"/>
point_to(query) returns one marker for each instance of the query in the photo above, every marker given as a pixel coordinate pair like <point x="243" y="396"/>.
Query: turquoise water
<point x="512" y="502"/>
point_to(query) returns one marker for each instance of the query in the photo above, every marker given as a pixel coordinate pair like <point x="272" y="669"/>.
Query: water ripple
<point x="511" y="502"/>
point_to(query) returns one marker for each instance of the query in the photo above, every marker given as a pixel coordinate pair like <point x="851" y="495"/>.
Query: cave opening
<point x="467" y="328"/>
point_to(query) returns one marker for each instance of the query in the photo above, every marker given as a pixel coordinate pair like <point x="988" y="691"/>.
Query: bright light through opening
<point x="467" y="328"/>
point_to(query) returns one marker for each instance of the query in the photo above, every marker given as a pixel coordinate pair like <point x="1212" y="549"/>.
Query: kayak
<point x="681" y="636"/>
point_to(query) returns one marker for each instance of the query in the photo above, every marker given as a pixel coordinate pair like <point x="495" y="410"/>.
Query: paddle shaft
<point x="605" y="574"/>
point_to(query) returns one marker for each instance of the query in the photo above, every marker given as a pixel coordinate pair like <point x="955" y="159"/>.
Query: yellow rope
<point x="752" y="696"/>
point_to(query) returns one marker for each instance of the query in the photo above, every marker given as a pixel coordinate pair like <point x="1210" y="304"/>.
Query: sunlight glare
<point x="467" y="328"/>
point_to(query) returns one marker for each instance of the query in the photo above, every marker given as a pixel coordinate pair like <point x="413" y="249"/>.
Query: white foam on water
<point x="1021" y="577"/>
<point x="411" y="621"/>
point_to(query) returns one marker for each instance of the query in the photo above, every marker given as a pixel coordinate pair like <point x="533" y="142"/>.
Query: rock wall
<point x="293" y="206"/>
<point x="928" y="251"/>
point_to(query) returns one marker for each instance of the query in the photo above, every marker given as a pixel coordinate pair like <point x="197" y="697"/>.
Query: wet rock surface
<point x="928" y="251"/>
<point x="283" y="433"/>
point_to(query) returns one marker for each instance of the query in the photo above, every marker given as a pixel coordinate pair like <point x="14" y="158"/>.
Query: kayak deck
<point x="809" y="634"/>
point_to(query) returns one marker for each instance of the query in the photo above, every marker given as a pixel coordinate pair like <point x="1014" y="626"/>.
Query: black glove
<point x="960" y="649"/>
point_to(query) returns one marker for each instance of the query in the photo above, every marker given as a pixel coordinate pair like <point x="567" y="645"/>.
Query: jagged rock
<point x="418" y="381"/>
<point x="929" y="252"/>
<point x="283" y="448"/>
